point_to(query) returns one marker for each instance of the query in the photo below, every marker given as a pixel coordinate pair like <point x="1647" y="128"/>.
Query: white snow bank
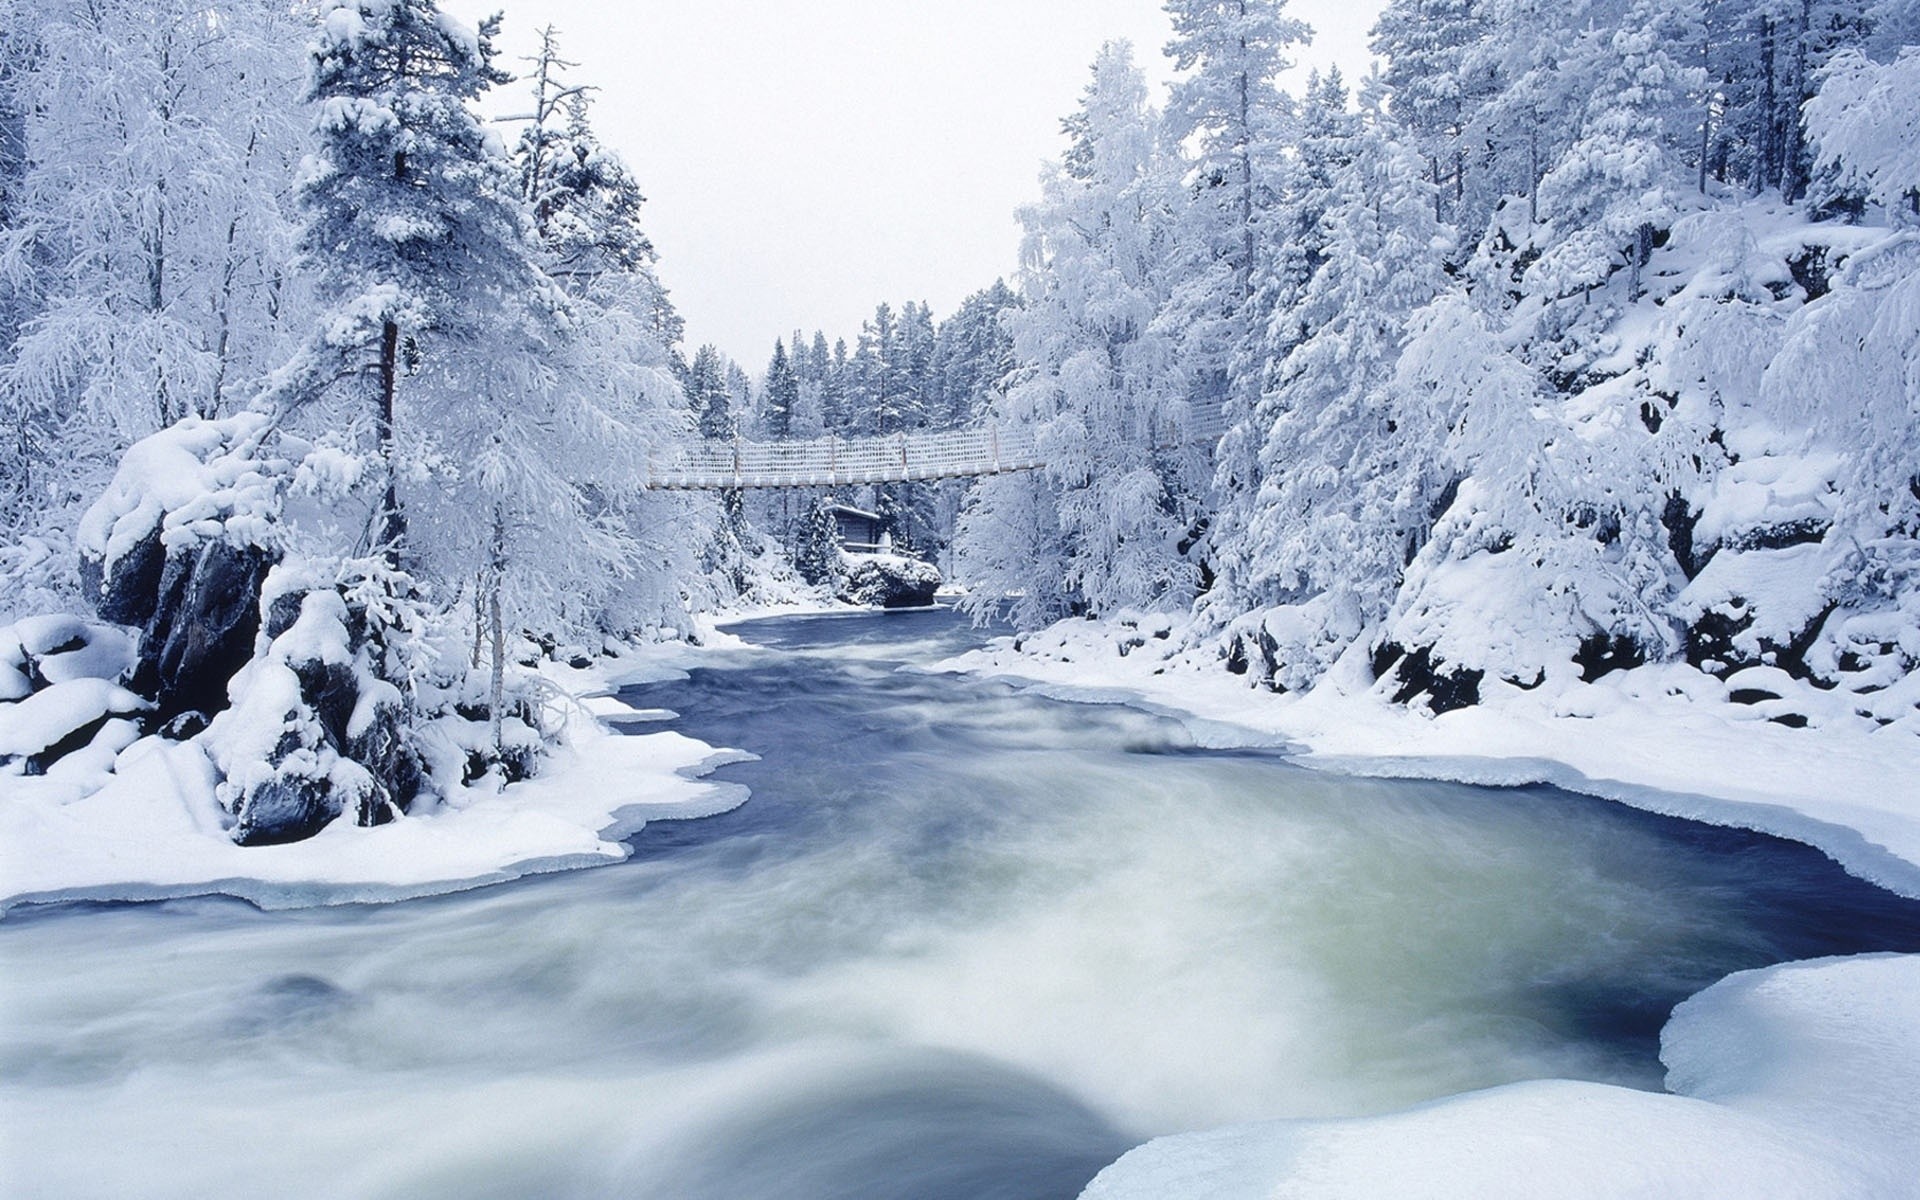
<point x="1793" y="1081"/>
<point x="154" y="829"/>
<point x="50" y="715"/>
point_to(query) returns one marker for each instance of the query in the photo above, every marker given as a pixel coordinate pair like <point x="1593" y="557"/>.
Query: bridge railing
<point x="892" y="458"/>
<point x="825" y="462"/>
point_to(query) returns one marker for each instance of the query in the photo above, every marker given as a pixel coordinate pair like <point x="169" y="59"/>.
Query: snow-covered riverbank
<point x="151" y="828"/>
<point x="1790" y="1081"/>
<point x="1663" y="738"/>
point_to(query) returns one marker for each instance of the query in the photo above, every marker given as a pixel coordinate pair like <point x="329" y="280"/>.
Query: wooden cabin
<point x="861" y="532"/>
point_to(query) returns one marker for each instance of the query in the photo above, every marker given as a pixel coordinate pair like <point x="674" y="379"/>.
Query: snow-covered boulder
<point x="889" y="581"/>
<point x="178" y="546"/>
<point x="60" y="690"/>
<point x="313" y="732"/>
<point x="1290" y="646"/>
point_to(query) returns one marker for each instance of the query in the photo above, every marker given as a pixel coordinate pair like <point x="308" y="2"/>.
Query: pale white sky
<point x="804" y="161"/>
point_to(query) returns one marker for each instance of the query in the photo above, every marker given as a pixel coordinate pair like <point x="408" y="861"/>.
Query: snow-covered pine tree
<point x="1103" y="527"/>
<point x="1439" y="78"/>
<point x="1623" y="179"/>
<point x="782" y="395"/>
<point x="414" y="236"/>
<point x="1350" y="464"/>
<point x="1226" y="105"/>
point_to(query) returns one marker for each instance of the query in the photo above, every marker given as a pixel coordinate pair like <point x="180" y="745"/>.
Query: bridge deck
<point x="895" y="458"/>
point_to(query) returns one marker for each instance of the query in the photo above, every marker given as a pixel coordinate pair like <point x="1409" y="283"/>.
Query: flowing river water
<point x="963" y="942"/>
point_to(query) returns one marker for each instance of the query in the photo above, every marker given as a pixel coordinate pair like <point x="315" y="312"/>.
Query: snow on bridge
<point x="894" y="458"/>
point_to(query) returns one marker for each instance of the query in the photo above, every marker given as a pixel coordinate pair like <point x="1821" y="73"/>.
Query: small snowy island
<point x="1537" y="417"/>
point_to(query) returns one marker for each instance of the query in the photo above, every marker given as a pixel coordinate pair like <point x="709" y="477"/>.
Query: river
<point x="963" y="941"/>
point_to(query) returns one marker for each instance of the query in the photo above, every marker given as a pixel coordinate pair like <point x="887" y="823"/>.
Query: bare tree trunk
<point x="496" y="572"/>
<point x="479" y="617"/>
<point x="388" y="525"/>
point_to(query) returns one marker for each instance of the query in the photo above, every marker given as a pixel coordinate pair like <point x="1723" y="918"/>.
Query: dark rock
<point x="1752" y="695"/>
<point x="1236" y="656"/>
<point x="331" y="691"/>
<point x="129" y="595"/>
<point x="202" y="627"/>
<point x="1811" y="271"/>
<point x="1419" y="673"/>
<point x="186" y="725"/>
<point x="78" y="739"/>
<point x="1779" y="537"/>
<point x="288" y="808"/>
<point x="283" y="612"/>
<point x="1679" y="518"/>
<point x="398" y="772"/>
<point x="1602" y="654"/>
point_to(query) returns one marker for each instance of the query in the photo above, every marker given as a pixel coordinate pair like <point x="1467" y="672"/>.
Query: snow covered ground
<point x="152" y="828"/>
<point x="1793" y="1081"/>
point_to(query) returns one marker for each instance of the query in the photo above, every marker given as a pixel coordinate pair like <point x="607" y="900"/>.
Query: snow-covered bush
<point x="889" y="581"/>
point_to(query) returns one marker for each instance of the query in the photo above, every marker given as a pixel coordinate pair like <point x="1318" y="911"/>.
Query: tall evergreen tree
<point x="414" y="234"/>
<point x="782" y="395"/>
<point x="1095" y="378"/>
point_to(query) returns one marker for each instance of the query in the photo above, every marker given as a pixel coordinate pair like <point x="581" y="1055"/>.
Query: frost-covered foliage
<point x="1863" y="126"/>
<point x="1346" y="470"/>
<point x="1097" y="379"/>
<point x="319" y="540"/>
<point x="1585" y="339"/>
<point x="145" y="156"/>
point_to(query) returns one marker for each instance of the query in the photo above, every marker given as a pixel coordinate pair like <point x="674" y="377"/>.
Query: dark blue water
<point x="963" y="942"/>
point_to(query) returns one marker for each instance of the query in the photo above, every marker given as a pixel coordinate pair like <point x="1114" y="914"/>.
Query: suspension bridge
<point x="918" y="456"/>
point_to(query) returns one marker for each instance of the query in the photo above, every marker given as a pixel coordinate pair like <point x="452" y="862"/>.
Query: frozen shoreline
<point x="155" y="832"/>
<point x="1660" y="738"/>
<point x="1789" y="1081"/>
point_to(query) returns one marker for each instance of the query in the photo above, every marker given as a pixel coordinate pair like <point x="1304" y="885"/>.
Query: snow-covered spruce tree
<point x="973" y="355"/>
<point x="1294" y="238"/>
<point x="614" y="362"/>
<point x="1097" y="380"/>
<point x="816" y="553"/>
<point x="1351" y="463"/>
<point x="1226" y="105"/>
<point x="1440" y="78"/>
<point x="716" y="411"/>
<point x="782" y="389"/>
<point x="1620" y="183"/>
